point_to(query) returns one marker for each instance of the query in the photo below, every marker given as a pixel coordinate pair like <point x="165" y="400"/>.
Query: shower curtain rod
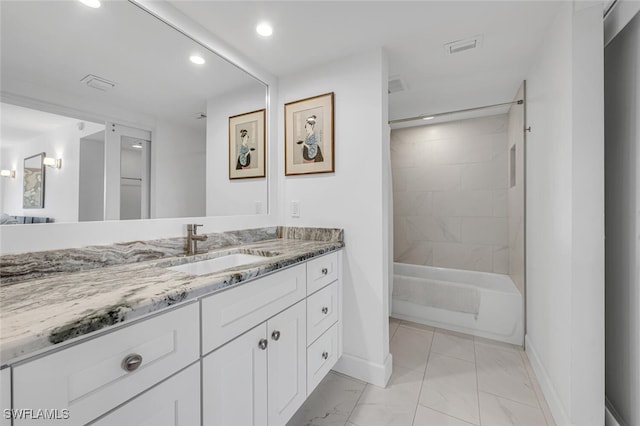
<point x="420" y="117"/>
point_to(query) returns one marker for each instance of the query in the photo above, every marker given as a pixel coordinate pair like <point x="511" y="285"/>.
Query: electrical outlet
<point x="295" y="209"/>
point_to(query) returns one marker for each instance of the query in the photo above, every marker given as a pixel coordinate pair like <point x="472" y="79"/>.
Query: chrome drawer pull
<point x="262" y="344"/>
<point x="325" y="271"/>
<point x="325" y="355"/>
<point x="275" y="335"/>
<point x="325" y="310"/>
<point x="131" y="362"/>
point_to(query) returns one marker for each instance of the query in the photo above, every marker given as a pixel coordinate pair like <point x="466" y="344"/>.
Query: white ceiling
<point x="307" y="33"/>
<point x="22" y="124"/>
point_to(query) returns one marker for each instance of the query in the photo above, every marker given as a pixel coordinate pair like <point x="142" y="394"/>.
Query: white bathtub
<point x="478" y="303"/>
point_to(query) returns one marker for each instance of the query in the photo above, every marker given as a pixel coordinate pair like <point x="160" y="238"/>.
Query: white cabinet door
<point x="5" y="396"/>
<point x="286" y="358"/>
<point x="174" y="402"/>
<point x="234" y="381"/>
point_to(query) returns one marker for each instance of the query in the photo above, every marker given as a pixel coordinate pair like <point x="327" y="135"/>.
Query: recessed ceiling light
<point x="198" y="60"/>
<point x="431" y="117"/>
<point x="264" y="29"/>
<point x="136" y="145"/>
<point x="91" y="3"/>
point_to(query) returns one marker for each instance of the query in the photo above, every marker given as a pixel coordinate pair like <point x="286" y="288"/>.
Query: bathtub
<point x="478" y="303"/>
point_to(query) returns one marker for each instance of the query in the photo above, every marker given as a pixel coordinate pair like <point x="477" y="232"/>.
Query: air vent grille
<point x="396" y="84"/>
<point x="459" y="46"/>
<point x="98" y="83"/>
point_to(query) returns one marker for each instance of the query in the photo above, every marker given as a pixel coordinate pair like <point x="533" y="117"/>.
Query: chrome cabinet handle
<point x="325" y="355"/>
<point x="325" y="271"/>
<point x="262" y="344"/>
<point x="275" y="335"/>
<point x="131" y="362"/>
<point x="325" y="310"/>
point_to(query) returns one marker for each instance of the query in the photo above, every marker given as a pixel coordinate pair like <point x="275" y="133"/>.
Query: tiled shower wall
<point x="450" y="194"/>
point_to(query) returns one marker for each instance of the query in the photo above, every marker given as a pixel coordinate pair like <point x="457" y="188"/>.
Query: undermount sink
<point x="218" y="264"/>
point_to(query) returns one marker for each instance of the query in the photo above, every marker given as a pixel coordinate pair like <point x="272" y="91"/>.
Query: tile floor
<point x="440" y="378"/>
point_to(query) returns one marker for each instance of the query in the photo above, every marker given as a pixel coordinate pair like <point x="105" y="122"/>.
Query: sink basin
<point x="218" y="264"/>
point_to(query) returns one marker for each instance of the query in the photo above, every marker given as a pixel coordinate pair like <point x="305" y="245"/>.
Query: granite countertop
<point x="57" y="306"/>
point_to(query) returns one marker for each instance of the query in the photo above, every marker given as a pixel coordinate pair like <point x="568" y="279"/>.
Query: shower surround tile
<point x="450" y="194"/>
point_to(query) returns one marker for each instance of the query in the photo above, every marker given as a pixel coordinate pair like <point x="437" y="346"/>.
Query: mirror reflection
<point x="141" y="129"/>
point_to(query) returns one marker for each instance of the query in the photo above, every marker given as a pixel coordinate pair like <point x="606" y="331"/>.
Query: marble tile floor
<point x="440" y="378"/>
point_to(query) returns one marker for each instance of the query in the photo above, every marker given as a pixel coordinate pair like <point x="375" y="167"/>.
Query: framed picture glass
<point x="33" y="182"/>
<point x="247" y="145"/>
<point x="309" y="135"/>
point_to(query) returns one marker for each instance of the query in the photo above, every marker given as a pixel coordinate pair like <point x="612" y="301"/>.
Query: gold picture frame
<point x="247" y="145"/>
<point x="309" y="134"/>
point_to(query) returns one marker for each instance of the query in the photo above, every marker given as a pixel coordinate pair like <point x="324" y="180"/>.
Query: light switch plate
<point x="295" y="209"/>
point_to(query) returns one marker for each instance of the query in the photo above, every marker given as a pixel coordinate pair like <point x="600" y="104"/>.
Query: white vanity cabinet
<point x="260" y="377"/>
<point x="5" y="396"/>
<point x="93" y="377"/>
<point x="249" y="355"/>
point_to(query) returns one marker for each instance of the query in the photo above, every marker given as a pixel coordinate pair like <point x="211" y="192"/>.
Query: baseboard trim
<point x="367" y="371"/>
<point x="555" y="405"/>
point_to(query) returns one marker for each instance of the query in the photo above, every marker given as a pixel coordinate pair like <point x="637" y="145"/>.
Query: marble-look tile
<point x="496" y="411"/>
<point x="463" y="203"/>
<point x="434" y="228"/>
<point x="484" y="230"/>
<point x="442" y="177"/>
<point x="501" y="259"/>
<point x="410" y="347"/>
<point x="331" y="403"/>
<point x="455" y="345"/>
<point x="428" y="417"/>
<point x="414" y="253"/>
<point x="502" y="372"/>
<point x="500" y="203"/>
<point x="412" y="203"/>
<point x="415" y="325"/>
<point x="491" y="175"/>
<point x="394" y="405"/>
<point x="450" y="387"/>
<point x="393" y="326"/>
<point x="471" y="257"/>
<point x="465" y="150"/>
<point x="542" y="402"/>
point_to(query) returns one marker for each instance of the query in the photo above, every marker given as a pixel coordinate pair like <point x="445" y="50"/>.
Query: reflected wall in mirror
<point x="86" y="98"/>
<point x="33" y="182"/>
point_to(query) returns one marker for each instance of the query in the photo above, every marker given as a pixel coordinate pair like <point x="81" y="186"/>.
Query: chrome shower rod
<point x="422" y="116"/>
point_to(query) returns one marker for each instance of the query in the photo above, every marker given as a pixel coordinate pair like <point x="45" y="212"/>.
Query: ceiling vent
<point x="98" y="82"/>
<point x="201" y="115"/>
<point x="396" y="84"/>
<point x="463" y="45"/>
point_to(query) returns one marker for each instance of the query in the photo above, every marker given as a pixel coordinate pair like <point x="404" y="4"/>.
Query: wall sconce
<point x="52" y="162"/>
<point x="8" y="173"/>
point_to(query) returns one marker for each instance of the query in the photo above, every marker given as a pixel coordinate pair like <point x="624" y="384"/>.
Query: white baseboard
<point x="555" y="405"/>
<point x="367" y="371"/>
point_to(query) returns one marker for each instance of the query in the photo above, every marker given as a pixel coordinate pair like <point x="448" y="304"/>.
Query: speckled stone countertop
<point x="62" y="300"/>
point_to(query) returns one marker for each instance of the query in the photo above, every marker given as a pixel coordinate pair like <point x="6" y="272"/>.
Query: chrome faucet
<point x="193" y="238"/>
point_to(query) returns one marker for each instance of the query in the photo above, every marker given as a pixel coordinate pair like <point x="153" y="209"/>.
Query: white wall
<point x="450" y="194"/>
<point x="60" y="185"/>
<point x="352" y="198"/>
<point x="226" y="196"/>
<point x="178" y="164"/>
<point x="91" y="190"/>
<point x="622" y="213"/>
<point x="564" y="210"/>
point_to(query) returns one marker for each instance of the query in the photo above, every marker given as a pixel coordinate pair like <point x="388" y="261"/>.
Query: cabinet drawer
<point x="321" y="271"/>
<point x="231" y="313"/>
<point x="171" y="403"/>
<point x="322" y="311"/>
<point x="321" y="357"/>
<point x="89" y="379"/>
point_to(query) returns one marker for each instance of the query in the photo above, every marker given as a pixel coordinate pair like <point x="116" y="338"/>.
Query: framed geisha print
<point x="309" y="135"/>
<point x="247" y="145"/>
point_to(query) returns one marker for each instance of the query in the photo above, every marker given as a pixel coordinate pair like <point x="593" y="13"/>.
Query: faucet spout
<point x="193" y="238"/>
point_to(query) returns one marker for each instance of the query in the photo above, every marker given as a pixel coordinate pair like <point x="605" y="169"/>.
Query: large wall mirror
<point x="142" y="130"/>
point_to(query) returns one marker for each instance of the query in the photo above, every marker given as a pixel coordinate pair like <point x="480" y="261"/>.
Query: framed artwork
<point x="247" y="145"/>
<point x="33" y="182"/>
<point x="308" y="135"/>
